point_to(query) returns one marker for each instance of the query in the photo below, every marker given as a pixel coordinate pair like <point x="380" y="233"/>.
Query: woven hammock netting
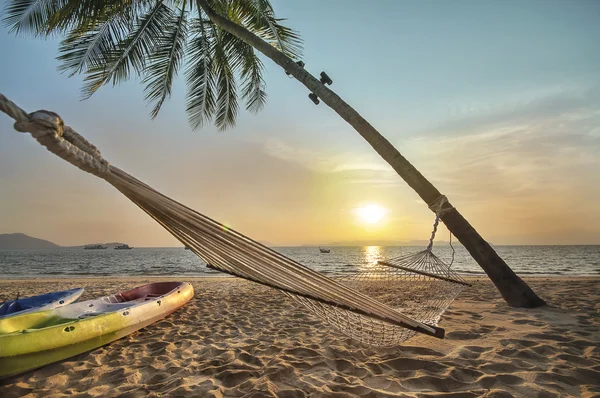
<point x="419" y="285"/>
<point x="385" y="305"/>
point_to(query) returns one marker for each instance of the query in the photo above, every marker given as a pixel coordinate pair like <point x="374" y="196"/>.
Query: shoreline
<point x="183" y="277"/>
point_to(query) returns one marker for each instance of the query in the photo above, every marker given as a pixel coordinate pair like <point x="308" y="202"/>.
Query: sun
<point x="371" y="213"/>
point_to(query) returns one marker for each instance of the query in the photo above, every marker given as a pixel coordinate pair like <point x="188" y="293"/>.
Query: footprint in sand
<point x="415" y="364"/>
<point x="302" y="353"/>
<point x="552" y="378"/>
<point x="421" y="351"/>
<point x="510" y="380"/>
<point x="528" y="322"/>
<point x="519" y="343"/>
<point x="472" y="352"/>
<point x="545" y="350"/>
<point x="433" y="383"/>
<point x="18" y="391"/>
<point x="462" y="336"/>
<point x="502" y="367"/>
<point x="524" y="365"/>
<point x="548" y="336"/>
<point x="474" y="315"/>
<point x="250" y="359"/>
<point x="466" y="375"/>
<point x="586" y="376"/>
<point x="231" y="378"/>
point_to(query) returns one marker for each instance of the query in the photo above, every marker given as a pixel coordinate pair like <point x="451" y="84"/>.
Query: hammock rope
<point x="224" y="249"/>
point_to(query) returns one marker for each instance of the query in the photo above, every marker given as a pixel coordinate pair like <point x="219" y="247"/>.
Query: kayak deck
<point x="38" y="303"/>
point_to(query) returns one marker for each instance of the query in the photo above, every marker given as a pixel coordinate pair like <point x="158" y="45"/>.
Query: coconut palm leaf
<point x="132" y="52"/>
<point x="83" y="50"/>
<point x="165" y="62"/>
<point x="258" y="17"/>
<point x="81" y="15"/>
<point x="43" y="17"/>
<point x="200" y="76"/>
<point x="227" y="107"/>
<point x="249" y="68"/>
<point x="253" y="90"/>
<point x="30" y="16"/>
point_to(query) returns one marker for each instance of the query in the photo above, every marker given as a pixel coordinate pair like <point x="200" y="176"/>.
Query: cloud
<point x="561" y="103"/>
<point x="351" y="167"/>
<point x="533" y="172"/>
<point x="311" y="159"/>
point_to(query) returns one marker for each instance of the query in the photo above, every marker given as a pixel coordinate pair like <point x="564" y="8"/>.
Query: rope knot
<point x="41" y="123"/>
<point x="50" y="131"/>
<point x="438" y="204"/>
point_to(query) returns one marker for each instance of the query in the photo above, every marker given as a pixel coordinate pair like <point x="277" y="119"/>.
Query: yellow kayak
<point x="32" y="340"/>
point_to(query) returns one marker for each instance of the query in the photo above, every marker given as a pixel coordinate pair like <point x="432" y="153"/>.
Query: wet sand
<point x="238" y="339"/>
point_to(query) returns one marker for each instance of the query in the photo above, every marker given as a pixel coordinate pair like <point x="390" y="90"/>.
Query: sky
<point x="496" y="103"/>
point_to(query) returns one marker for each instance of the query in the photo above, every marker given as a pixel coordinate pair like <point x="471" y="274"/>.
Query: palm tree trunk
<point x="513" y="289"/>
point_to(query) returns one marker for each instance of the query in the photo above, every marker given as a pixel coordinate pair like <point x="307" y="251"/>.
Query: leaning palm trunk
<point x="513" y="289"/>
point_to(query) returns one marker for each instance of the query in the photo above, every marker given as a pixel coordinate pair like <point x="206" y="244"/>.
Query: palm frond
<point x="253" y="90"/>
<point x="165" y="62"/>
<point x="245" y="62"/>
<point x="83" y="50"/>
<point x="200" y="76"/>
<point x="226" y="104"/>
<point x="43" y="17"/>
<point x="258" y="17"/>
<point x="82" y="15"/>
<point x="30" y="16"/>
<point x="132" y="52"/>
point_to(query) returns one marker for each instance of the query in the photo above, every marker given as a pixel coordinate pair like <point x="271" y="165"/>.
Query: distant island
<point x="110" y="245"/>
<point x="21" y="241"/>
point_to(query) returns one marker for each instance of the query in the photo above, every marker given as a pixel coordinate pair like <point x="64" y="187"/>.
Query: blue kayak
<point x="36" y="303"/>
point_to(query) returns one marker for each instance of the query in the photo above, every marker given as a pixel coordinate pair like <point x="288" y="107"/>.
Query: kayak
<point x="36" y="303"/>
<point x="29" y="341"/>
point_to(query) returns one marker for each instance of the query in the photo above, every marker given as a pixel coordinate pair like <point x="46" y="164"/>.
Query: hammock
<point x="358" y="314"/>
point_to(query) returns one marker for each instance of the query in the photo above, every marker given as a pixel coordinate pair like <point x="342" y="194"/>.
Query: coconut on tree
<point x="216" y="41"/>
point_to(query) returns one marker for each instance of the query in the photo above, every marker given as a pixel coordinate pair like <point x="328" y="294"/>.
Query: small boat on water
<point x="29" y="341"/>
<point x="324" y="250"/>
<point x="123" y="247"/>
<point x="95" y="247"/>
<point x="188" y="248"/>
<point x="38" y="303"/>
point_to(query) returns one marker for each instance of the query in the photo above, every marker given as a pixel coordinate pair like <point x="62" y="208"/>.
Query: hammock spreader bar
<point x="424" y="273"/>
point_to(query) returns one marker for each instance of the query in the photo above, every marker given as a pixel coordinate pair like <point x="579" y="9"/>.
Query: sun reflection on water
<point x="371" y="254"/>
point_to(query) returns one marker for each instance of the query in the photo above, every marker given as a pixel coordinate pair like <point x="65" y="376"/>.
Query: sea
<point x="77" y="262"/>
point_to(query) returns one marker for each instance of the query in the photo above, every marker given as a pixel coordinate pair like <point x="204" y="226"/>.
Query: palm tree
<point x="111" y="40"/>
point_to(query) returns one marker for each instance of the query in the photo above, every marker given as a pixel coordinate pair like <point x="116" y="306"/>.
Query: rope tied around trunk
<point x="437" y="208"/>
<point x="49" y="129"/>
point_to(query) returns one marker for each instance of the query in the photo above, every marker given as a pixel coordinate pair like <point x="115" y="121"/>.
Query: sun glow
<point x="371" y="213"/>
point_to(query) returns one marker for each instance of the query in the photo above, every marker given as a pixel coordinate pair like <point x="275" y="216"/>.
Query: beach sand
<point x="239" y="339"/>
